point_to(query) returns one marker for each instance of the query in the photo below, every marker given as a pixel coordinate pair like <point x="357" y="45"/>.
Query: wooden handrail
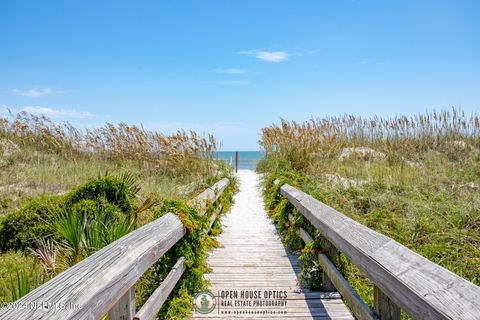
<point x="359" y="308"/>
<point x="105" y="281"/>
<point x="402" y="277"/>
<point x="151" y="307"/>
<point x="89" y="289"/>
<point x="211" y="194"/>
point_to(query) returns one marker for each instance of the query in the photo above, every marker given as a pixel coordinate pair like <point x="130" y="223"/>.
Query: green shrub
<point x="194" y="246"/>
<point x="99" y="208"/>
<point x="119" y="191"/>
<point x="19" y="229"/>
<point x="108" y="199"/>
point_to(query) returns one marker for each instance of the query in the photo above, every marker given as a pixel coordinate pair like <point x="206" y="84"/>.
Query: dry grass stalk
<point x="180" y="154"/>
<point x="299" y="143"/>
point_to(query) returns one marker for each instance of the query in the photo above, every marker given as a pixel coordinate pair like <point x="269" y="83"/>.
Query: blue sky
<point x="233" y="67"/>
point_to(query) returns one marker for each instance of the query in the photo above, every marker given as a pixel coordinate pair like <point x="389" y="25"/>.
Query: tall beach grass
<point x="415" y="179"/>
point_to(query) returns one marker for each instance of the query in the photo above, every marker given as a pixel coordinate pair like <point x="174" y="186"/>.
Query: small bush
<point x="194" y="246"/>
<point x="107" y="198"/>
<point x="19" y="229"/>
<point x="105" y="190"/>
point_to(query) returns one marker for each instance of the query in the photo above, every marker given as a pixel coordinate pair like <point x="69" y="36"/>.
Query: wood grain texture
<point x="385" y="307"/>
<point x="349" y="295"/>
<point x="214" y="217"/>
<point x="124" y="309"/>
<point x="252" y="257"/>
<point x="104" y="280"/>
<point x="210" y="195"/>
<point x="151" y="307"/>
<point x="420" y="287"/>
<point x="337" y="282"/>
<point x="99" y="281"/>
<point x="331" y="253"/>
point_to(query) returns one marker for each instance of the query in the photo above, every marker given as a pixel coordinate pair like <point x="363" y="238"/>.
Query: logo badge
<point x="204" y="302"/>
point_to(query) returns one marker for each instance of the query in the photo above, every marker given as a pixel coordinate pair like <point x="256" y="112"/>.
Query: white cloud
<point x="269" y="56"/>
<point x="233" y="82"/>
<point x="58" y="113"/>
<point x="230" y="71"/>
<point x="35" y="92"/>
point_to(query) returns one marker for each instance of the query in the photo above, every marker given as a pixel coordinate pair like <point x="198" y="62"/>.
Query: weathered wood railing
<point x="104" y="282"/>
<point x="403" y="279"/>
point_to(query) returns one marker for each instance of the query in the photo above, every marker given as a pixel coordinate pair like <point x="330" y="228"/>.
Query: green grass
<point x="430" y="208"/>
<point x="424" y="193"/>
<point x="40" y="159"/>
<point x="31" y="173"/>
<point x="17" y="271"/>
<point x="194" y="247"/>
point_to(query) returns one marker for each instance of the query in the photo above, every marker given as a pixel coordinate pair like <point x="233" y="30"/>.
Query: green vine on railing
<point x="280" y="209"/>
<point x="194" y="246"/>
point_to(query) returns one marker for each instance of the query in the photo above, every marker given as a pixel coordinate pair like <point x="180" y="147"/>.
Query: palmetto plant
<point x="85" y="230"/>
<point x="71" y="227"/>
<point x="83" y="237"/>
<point x="98" y="233"/>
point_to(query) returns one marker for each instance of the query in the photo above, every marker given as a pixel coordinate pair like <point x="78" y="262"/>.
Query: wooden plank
<point x="151" y="307"/>
<point x="335" y="280"/>
<point x="124" y="309"/>
<point x="304" y="235"/>
<point x="212" y="220"/>
<point x="219" y="187"/>
<point x="255" y="282"/>
<point x="352" y="299"/>
<point x="257" y="269"/>
<point x="231" y="264"/>
<point x="417" y="285"/>
<point x="214" y="216"/>
<point x="94" y="285"/>
<point x="327" y="284"/>
<point x="213" y="193"/>
<point x="283" y="316"/>
<point x="252" y="257"/>
<point x="248" y="249"/>
<point x="250" y="277"/>
<point x="385" y="308"/>
<point x="331" y="253"/>
<point x="210" y="195"/>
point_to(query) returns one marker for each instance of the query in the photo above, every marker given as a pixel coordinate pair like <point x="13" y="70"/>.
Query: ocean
<point x="246" y="159"/>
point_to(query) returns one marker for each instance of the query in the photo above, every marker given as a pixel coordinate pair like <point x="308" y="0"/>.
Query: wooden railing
<point x="104" y="282"/>
<point x="403" y="279"/>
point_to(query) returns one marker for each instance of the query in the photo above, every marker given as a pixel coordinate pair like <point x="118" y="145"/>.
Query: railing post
<point x="124" y="309"/>
<point x="236" y="161"/>
<point x="385" y="308"/>
<point x="331" y="253"/>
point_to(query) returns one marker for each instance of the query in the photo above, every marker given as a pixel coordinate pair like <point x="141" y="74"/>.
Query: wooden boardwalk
<point x="254" y="262"/>
<point x="252" y="257"/>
